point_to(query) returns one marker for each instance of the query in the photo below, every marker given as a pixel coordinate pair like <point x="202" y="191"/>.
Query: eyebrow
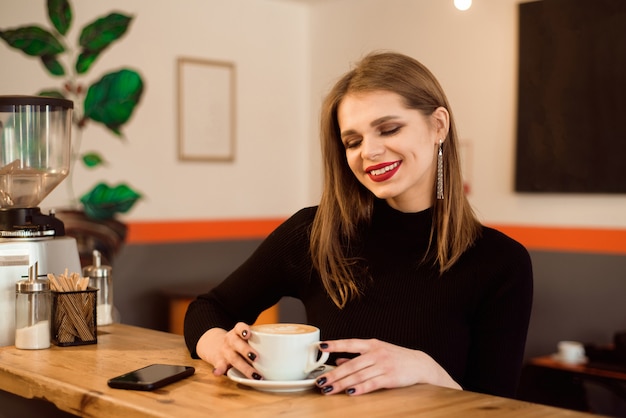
<point x="374" y="123"/>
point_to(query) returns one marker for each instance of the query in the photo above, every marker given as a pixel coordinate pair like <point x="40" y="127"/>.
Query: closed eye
<point x="352" y="143"/>
<point x="390" y="131"/>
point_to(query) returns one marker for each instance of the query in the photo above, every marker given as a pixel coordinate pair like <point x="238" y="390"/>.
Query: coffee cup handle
<point x="314" y="363"/>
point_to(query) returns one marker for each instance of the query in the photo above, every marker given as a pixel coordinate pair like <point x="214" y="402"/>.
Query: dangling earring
<point x="440" y="171"/>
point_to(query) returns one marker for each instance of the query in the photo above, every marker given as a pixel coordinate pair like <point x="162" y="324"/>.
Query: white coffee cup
<point x="571" y="352"/>
<point x="286" y="351"/>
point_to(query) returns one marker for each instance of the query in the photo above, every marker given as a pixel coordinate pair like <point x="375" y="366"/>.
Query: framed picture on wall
<point x="206" y="110"/>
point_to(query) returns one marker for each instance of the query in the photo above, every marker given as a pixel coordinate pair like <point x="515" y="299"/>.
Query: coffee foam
<point x="284" y="328"/>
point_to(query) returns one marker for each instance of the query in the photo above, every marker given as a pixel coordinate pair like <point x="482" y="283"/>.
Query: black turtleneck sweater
<point x="472" y="320"/>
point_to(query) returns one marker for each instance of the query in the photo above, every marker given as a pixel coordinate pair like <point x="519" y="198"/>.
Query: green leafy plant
<point x="110" y="101"/>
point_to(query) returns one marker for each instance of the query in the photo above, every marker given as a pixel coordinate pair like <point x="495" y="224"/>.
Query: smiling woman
<point x="382" y="254"/>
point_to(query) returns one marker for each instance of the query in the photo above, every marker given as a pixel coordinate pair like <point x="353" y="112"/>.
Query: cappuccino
<point x="284" y="328"/>
<point x="286" y="351"/>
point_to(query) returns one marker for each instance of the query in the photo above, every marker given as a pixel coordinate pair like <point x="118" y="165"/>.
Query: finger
<point x="346" y="367"/>
<point x="220" y="368"/>
<point x="362" y="381"/>
<point x="243" y="330"/>
<point x="364" y="387"/>
<point x="244" y="367"/>
<point x="238" y="352"/>
<point x="358" y="346"/>
<point x="235" y="342"/>
<point x="346" y="373"/>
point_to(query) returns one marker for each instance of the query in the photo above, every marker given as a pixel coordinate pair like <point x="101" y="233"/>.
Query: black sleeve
<point x="277" y="268"/>
<point x="500" y="327"/>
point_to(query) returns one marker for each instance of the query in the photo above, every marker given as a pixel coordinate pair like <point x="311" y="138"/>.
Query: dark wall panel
<point x="571" y="135"/>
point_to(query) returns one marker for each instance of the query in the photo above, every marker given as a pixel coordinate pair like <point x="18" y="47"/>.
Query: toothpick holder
<point x="74" y="320"/>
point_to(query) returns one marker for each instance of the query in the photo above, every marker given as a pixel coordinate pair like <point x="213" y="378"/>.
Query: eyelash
<point x="388" y="132"/>
<point x="391" y="131"/>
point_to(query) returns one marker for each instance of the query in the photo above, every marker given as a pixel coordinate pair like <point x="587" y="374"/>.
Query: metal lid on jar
<point x="97" y="270"/>
<point x="33" y="284"/>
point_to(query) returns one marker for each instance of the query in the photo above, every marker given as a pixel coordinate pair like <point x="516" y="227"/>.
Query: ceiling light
<point x="462" y="4"/>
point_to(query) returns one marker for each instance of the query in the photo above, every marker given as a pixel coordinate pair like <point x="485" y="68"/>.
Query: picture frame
<point x="206" y="109"/>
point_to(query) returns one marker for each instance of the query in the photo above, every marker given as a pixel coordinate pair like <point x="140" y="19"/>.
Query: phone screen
<point x="151" y="377"/>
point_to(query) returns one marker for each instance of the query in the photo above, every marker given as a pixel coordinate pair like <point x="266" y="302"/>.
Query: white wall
<point x="266" y="41"/>
<point x="287" y="54"/>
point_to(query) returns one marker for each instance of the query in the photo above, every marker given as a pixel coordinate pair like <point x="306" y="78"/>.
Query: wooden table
<point x="581" y="369"/>
<point x="74" y="379"/>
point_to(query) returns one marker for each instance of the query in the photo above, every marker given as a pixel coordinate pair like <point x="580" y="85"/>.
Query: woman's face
<point x="391" y="149"/>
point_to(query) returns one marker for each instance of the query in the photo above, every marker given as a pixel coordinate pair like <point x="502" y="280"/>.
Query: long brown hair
<point x="346" y="204"/>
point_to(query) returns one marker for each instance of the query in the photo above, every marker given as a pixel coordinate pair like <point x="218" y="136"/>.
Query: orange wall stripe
<point x="187" y="231"/>
<point x="612" y="241"/>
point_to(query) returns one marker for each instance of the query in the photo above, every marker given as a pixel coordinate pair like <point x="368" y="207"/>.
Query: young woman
<point x="404" y="282"/>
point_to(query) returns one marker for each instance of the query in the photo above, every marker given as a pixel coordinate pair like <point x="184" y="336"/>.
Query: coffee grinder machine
<point x="35" y="148"/>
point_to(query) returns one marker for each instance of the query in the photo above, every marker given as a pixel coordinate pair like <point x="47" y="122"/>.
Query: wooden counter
<point x="74" y="379"/>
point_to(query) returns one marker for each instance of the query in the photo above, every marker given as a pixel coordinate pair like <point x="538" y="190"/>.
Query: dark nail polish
<point x="244" y="333"/>
<point x="321" y="381"/>
<point x="251" y="356"/>
<point x="351" y="391"/>
<point x="327" y="389"/>
<point x="323" y="346"/>
<point x="256" y="376"/>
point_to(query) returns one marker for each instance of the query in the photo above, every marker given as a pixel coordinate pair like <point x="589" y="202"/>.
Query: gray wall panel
<point x="578" y="296"/>
<point x="143" y="274"/>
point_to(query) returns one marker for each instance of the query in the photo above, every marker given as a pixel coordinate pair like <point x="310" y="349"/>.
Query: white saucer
<point x="278" y="386"/>
<point x="560" y="359"/>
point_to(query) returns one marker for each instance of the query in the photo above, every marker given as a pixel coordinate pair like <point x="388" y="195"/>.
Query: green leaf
<point x="112" y="100"/>
<point x="33" y="40"/>
<point x="53" y="65"/>
<point x="98" y="35"/>
<point x="60" y="14"/>
<point x="52" y="93"/>
<point x="102" y="32"/>
<point x="84" y="61"/>
<point x="103" y="202"/>
<point x="92" y="159"/>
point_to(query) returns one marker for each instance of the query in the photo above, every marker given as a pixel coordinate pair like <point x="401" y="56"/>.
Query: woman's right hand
<point x="225" y="349"/>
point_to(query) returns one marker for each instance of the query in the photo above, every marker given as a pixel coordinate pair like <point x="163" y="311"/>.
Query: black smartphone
<point x="151" y="377"/>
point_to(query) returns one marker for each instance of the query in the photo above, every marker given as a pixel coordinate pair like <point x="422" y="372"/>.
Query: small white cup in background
<point x="286" y="351"/>
<point x="571" y="352"/>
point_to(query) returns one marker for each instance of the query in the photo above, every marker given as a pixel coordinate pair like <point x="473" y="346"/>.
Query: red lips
<point x="383" y="172"/>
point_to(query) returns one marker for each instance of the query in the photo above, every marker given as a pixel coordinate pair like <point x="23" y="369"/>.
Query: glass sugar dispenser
<point x="32" y="312"/>
<point x="100" y="277"/>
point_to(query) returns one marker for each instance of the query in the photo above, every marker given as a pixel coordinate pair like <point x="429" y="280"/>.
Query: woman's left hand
<point x="379" y="365"/>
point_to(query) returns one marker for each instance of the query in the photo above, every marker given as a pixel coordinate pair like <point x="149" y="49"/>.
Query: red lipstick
<point x="383" y="172"/>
